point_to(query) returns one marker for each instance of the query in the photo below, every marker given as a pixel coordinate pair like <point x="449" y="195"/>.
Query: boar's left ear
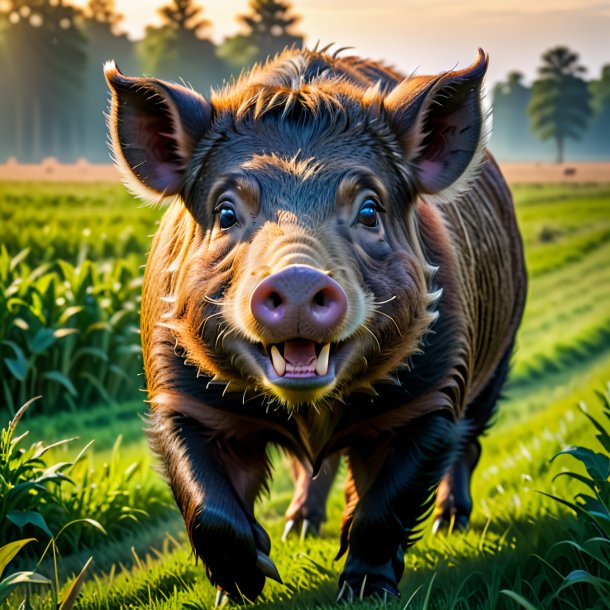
<point x="440" y="124"/>
<point x="154" y="127"/>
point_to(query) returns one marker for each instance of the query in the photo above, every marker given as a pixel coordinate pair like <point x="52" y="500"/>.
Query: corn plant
<point x="68" y="332"/>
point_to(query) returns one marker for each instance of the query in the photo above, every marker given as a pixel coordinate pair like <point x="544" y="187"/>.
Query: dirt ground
<point x="516" y="173"/>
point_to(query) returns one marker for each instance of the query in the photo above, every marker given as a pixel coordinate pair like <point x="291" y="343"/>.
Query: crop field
<point x="71" y="259"/>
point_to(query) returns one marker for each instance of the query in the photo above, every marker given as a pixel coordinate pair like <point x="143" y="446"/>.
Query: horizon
<point x="446" y="35"/>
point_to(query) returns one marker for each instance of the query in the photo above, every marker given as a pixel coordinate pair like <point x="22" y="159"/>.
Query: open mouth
<point x="300" y="358"/>
<point x="300" y="369"/>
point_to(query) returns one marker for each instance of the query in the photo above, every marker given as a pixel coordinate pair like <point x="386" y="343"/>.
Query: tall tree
<point x="47" y="53"/>
<point x="178" y="49"/>
<point x="104" y="12"/>
<point x="598" y="137"/>
<point x="560" y="106"/>
<point x="269" y="30"/>
<point x="510" y="135"/>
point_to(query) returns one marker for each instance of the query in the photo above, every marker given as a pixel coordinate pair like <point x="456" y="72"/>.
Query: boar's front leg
<point x="215" y="484"/>
<point x="391" y="501"/>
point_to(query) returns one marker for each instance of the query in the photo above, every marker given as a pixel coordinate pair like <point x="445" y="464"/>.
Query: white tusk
<point x="322" y="362"/>
<point x="279" y="364"/>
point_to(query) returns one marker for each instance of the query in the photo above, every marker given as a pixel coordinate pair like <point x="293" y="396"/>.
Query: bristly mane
<point x="311" y="81"/>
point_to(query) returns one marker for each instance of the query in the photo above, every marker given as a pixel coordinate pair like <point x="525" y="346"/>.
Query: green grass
<point x="563" y="357"/>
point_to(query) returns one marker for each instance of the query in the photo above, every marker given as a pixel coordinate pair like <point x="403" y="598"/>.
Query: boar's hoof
<point x="309" y="529"/>
<point x="265" y="564"/>
<point x="248" y="586"/>
<point x="237" y="564"/>
<point x="450" y="524"/>
<point x="357" y="588"/>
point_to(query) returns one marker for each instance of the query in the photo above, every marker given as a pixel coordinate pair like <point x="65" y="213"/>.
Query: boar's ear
<point x="439" y="121"/>
<point x="154" y="127"/>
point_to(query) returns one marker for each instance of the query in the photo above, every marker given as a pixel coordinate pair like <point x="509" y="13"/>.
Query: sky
<point x="428" y="35"/>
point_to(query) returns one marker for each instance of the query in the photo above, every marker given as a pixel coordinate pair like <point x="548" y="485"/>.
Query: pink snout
<point x="298" y="301"/>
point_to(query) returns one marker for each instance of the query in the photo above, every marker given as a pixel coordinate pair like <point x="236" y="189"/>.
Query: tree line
<point x="54" y="96"/>
<point x="537" y="122"/>
<point x="51" y="55"/>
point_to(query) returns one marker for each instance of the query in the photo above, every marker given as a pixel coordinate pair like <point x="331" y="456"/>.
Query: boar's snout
<point x="299" y="301"/>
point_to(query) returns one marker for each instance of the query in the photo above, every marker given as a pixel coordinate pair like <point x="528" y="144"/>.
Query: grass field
<point x="563" y="357"/>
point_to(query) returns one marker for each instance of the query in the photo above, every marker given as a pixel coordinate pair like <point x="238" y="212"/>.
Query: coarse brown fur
<point x="435" y="293"/>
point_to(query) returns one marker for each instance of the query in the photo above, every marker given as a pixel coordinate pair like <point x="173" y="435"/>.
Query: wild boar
<point x="340" y="270"/>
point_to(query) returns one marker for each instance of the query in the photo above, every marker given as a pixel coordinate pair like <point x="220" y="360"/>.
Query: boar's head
<point x="299" y="271"/>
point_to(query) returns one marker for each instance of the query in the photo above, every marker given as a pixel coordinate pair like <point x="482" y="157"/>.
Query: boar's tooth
<point x="322" y="362"/>
<point x="279" y="364"/>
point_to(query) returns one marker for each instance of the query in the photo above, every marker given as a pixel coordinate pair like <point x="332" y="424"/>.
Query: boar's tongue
<point x="300" y="356"/>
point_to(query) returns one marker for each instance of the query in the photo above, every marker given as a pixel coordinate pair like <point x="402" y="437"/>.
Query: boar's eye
<point x="368" y="215"/>
<point x="226" y="215"/>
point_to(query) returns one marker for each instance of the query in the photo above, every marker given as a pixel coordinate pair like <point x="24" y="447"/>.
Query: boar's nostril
<point x="320" y="298"/>
<point x="328" y="305"/>
<point x="273" y="301"/>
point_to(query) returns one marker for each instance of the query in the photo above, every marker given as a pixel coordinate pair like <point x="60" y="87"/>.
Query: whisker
<point x="209" y="299"/>
<point x="391" y="318"/>
<point x="202" y="326"/>
<point x="225" y="335"/>
<point x="368" y="330"/>
<point x="221" y="331"/>
<point x="376" y="303"/>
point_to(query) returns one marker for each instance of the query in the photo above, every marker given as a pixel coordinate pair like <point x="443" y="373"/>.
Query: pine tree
<point x="104" y="12"/>
<point x="178" y="50"/>
<point x="511" y="136"/>
<point x="560" y="106"/>
<point x="184" y="16"/>
<point x="599" y="131"/>
<point x="269" y="30"/>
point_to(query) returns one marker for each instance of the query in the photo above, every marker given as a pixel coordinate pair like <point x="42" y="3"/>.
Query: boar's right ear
<point x="154" y="128"/>
<point x="441" y="125"/>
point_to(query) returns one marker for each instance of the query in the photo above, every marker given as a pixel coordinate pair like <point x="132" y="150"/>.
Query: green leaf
<point x="74" y="589"/>
<point x="60" y="378"/>
<point x="10" y="582"/>
<point x="580" y="577"/>
<point x="18" y="368"/>
<point x="519" y="599"/>
<point x="597" y="464"/>
<point x="8" y="552"/>
<point x="98" y="386"/>
<point x="21" y="518"/>
<point x="93" y="352"/>
<point x="603" y="437"/>
<point x="41" y="341"/>
<point x="590" y="483"/>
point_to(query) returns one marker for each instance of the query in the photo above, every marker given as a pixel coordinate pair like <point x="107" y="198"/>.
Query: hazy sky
<point x="429" y="35"/>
